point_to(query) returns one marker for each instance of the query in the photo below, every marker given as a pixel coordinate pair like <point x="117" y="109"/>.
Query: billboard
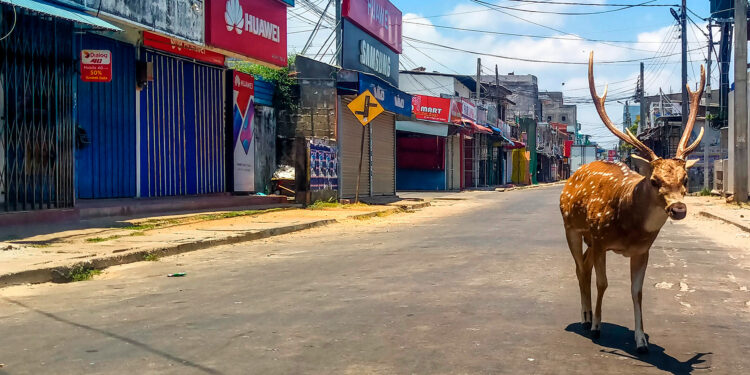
<point x="242" y="150"/>
<point x="251" y="28"/>
<point x="181" y="48"/>
<point x="362" y="52"/>
<point x="392" y="99"/>
<point x="378" y="18"/>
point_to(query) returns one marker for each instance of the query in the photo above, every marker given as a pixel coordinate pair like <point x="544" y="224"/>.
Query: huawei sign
<point x="238" y="21"/>
<point x="252" y="28"/>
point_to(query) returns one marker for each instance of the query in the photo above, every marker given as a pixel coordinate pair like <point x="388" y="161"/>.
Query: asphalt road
<point x="484" y="285"/>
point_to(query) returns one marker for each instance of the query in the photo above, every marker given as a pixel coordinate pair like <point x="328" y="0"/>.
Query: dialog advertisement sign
<point x="96" y="65"/>
<point x="378" y="17"/>
<point x="468" y="109"/>
<point x="252" y="28"/>
<point x="392" y="99"/>
<point x="431" y="108"/>
<point x="181" y="48"/>
<point x="243" y="112"/>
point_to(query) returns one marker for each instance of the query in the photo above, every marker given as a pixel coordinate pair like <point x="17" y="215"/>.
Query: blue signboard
<point x="364" y="53"/>
<point x="391" y="98"/>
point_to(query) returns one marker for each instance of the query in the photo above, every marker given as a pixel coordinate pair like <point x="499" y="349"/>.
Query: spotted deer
<point x="610" y="207"/>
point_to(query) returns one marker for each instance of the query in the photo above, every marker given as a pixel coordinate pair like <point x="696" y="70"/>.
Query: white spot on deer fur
<point x="663" y="285"/>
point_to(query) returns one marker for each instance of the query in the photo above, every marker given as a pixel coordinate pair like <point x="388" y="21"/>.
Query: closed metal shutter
<point x="383" y="154"/>
<point x="182" y="132"/>
<point x="106" y="163"/>
<point x="350" y="139"/>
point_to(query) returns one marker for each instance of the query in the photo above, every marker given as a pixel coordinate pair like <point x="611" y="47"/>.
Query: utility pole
<point x="707" y="97"/>
<point x="740" y="101"/>
<point x="683" y="27"/>
<point x="642" y="124"/>
<point x="479" y="77"/>
<point x="339" y="31"/>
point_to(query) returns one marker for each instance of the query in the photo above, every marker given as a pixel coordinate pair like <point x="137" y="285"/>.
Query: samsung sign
<point x="364" y="53"/>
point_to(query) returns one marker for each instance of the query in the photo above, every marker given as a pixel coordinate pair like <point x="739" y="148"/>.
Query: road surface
<point x="480" y="285"/>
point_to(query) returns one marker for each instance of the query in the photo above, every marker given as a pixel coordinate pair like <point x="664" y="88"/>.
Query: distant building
<point x="525" y="95"/>
<point x="555" y="110"/>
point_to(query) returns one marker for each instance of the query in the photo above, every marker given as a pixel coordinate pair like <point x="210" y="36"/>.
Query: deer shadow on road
<point x="618" y="340"/>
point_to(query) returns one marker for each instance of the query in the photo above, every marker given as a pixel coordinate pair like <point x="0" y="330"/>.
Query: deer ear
<point x="690" y="163"/>
<point x="642" y="166"/>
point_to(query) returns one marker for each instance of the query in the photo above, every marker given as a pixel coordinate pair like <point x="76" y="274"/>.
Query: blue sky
<point x="649" y="31"/>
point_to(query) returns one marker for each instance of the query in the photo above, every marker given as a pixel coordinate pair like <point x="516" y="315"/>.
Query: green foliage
<point x="151" y="257"/>
<point x="283" y="97"/>
<point x="704" y="192"/>
<point x="82" y="273"/>
<point x="627" y="147"/>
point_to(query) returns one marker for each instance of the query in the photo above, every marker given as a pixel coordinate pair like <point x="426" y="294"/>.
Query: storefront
<point x="378" y="176"/>
<point x="37" y="103"/>
<point x="182" y="128"/>
<point x="421" y="145"/>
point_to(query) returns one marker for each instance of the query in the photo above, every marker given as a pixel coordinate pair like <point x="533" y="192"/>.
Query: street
<point x="480" y="284"/>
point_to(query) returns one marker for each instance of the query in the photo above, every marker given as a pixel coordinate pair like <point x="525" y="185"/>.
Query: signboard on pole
<point x="468" y="109"/>
<point x="364" y="53"/>
<point x="379" y="18"/>
<point x="96" y="65"/>
<point x="243" y="142"/>
<point x="365" y="107"/>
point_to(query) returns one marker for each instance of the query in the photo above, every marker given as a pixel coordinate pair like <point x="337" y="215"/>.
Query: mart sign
<point x="96" y="65"/>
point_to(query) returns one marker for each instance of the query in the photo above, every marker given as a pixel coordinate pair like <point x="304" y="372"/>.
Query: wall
<point x="264" y="127"/>
<point x="525" y="93"/>
<point x="174" y="17"/>
<point x="423" y="84"/>
<point x="554" y="109"/>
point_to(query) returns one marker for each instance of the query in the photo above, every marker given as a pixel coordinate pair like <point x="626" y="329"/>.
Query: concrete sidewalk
<point x="717" y="208"/>
<point x="56" y="254"/>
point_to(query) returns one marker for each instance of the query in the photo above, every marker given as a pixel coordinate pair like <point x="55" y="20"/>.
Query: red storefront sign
<point x="181" y="48"/>
<point x="431" y="108"/>
<point x="96" y="65"/>
<point x="379" y="18"/>
<point x="611" y="154"/>
<point x="252" y="28"/>
<point x="455" y="111"/>
<point x="568" y="146"/>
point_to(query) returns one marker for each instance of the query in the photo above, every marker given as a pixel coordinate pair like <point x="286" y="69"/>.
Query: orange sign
<point x="96" y="65"/>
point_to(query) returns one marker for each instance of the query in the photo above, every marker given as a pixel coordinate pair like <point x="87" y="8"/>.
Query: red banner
<point x="379" y="18"/>
<point x="96" y="65"/>
<point x="455" y="110"/>
<point x="181" y="48"/>
<point x="568" y="146"/>
<point x="431" y="108"/>
<point x="251" y="28"/>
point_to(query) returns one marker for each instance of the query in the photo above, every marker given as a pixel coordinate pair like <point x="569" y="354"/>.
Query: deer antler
<point x="695" y="97"/>
<point x="599" y="104"/>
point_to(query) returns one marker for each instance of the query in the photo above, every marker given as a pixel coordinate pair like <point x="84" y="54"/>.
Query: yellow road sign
<point x="365" y="107"/>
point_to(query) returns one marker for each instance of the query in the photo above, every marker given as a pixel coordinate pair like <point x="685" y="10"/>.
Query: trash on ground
<point x="177" y="274"/>
<point x="284" y="172"/>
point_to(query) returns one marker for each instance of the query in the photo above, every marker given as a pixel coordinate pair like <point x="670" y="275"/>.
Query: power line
<point x="562" y="13"/>
<point x="593" y="4"/>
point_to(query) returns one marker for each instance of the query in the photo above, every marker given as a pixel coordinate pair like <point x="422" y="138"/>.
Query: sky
<point x="647" y="34"/>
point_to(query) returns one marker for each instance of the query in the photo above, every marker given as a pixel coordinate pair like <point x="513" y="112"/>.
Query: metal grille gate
<point x="182" y="142"/>
<point x="36" y="106"/>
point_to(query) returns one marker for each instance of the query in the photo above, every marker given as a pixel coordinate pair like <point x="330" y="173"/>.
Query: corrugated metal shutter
<point x="264" y="92"/>
<point x="106" y="165"/>
<point x="383" y="154"/>
<point x="182" y="131"/>
<point x="350" y="139"/>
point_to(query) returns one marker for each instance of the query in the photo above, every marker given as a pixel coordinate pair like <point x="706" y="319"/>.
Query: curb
<point x="716" y="217"/>
<point x="502" y="190"/>
<point x="59" y="274"/>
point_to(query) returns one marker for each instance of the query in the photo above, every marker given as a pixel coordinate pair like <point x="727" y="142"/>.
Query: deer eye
<point x="655" y="183"/>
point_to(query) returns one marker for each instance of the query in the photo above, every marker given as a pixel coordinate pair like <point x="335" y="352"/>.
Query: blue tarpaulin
<point x="59" y="11"/>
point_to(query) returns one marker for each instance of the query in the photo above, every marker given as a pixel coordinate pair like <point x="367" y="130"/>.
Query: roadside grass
<point x="705" y="192"/>
<point x="152" y="224"/>
<point x="82" y="273"/>
<point x="114" y="237"/>
<point x="151" y="257"/>
<point x="331" y="204"/>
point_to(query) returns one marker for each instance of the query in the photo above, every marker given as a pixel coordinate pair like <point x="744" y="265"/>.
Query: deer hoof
<point x="642" y="350"/>
<point x="596" y="334"/>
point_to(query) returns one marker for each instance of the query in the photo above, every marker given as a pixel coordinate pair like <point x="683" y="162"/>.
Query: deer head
<point x="666" y="179"/>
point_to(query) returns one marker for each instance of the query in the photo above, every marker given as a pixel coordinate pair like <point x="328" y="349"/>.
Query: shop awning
<point x="515" y="144"/>
<point x="473" y="127"/>
<point x="423" y="127"/>
<point x="63" y="12"/>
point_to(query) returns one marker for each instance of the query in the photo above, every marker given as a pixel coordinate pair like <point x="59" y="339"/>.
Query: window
<point x="549" y="118"/>
<point x="563" y="118"/>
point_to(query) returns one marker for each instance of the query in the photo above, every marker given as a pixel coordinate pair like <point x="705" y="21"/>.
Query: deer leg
<point x="575" y="243"/>
<point x="638" y="265"/>
<point x="600" y="266"/>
